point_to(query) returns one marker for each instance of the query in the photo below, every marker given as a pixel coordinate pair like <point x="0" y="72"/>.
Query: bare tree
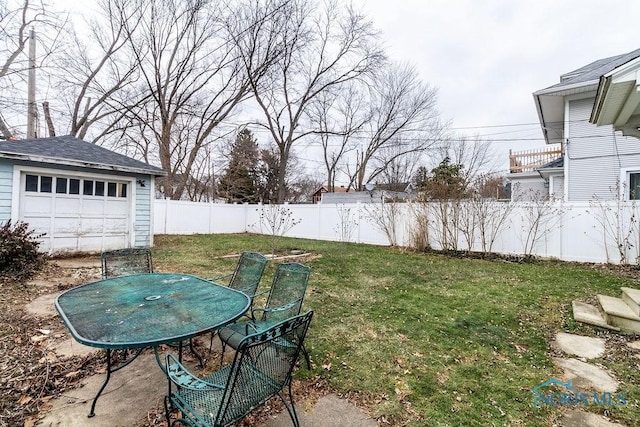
<point x="403" y="115"/>
<point x="337" y="118"/>
<point x="325" y="48"/>
<point x="17" y="18"/>
<point x="94" y="73"/>
<point x="191" y="77"/>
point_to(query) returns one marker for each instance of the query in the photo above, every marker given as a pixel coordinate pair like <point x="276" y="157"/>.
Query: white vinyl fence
<point x="602" y="232"/>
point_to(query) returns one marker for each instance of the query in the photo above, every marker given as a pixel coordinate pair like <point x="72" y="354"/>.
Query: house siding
<point x="6" y="184"/>
<point x="142" y="218"/>
<point x="528" y="188"/>
<point x="595" y="155"/>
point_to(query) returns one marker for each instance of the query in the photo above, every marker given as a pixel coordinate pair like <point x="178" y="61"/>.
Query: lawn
<point x="428" y="339"/>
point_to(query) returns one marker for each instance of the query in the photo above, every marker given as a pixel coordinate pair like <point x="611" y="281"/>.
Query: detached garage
<point x="83" y="197"/>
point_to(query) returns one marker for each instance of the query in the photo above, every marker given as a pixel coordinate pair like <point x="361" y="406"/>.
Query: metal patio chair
<point x="261" y="368"/>
<point x="247" y="274"/>
<point x="245" y="278"/>
<point x="285" y="299"/>
<point x="124" y="262"/>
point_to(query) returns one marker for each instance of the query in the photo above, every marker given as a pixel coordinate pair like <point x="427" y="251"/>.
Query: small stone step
<point x="589" y="314"/>
<point x="619" y="314"/>
<point x="632" y="298"/>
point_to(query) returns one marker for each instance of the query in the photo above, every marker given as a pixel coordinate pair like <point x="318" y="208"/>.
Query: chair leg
<point x="306" y="356"/>
<point x="291" y="407"/>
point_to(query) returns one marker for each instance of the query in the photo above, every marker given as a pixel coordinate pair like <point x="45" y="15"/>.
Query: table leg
<point x="109" y="371"/>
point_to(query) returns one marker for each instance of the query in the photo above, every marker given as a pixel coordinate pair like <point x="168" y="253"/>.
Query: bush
<point x="19" y="256"/>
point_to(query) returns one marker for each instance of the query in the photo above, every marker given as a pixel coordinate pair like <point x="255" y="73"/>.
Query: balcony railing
<point x="530" y="160"/>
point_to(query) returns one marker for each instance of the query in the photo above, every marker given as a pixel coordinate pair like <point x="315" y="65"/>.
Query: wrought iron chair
<point x="261" y="368"/>
<point x="124" y="262"/>
<point x="247" y="274"/>
<point x="245" y="278"/>
<point x="284" y="301"/>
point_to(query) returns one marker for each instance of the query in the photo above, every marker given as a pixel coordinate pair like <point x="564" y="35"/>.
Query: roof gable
<point x="74" y="152"/>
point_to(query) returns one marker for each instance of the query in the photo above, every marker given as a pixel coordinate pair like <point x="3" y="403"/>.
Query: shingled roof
<point x="71" y="151"/>
<point x="593" y="71"/>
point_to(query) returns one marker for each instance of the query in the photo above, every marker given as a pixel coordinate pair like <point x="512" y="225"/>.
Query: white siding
<point x="595" y="155"/>
<point x="6" y="183"/>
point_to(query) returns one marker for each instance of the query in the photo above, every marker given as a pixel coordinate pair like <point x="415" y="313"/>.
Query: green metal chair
<point x="245" y="278"/>
<point x="284" y="301"/>
<point x="124" y="262"/>
<point x="261" y="368"/>
<point x="247" y="274"/>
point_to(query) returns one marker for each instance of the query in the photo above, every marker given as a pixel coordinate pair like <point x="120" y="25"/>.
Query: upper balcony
<point x="530" y="160"/>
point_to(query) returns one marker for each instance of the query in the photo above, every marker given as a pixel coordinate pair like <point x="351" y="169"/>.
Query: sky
<point x="486" y="58"/>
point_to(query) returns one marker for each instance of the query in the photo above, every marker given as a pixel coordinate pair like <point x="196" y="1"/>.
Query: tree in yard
<point x="239" y="182"/>
<point x="192" y="77"/>
<point x="17" y="19"/>
<point x="403" y="121"/>
<point x="325" y="48"/>
<point x="446" y="181"/>
<point x="94" y="74"/>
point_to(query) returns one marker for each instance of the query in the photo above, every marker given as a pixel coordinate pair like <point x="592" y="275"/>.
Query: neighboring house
<point x="85" y="198"/>
<point x="378" y="192"/>
<point x="317" y="196"/>
<point x="590" y="116"/>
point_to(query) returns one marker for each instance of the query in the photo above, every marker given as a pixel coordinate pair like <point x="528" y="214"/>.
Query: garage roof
<point x="71" y="151"/>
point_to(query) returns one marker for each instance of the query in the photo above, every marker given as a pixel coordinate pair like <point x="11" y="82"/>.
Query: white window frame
<point x="625" y="179"/>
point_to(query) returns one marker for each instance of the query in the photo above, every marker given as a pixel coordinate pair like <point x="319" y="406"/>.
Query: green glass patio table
<point x="146" y="310"/>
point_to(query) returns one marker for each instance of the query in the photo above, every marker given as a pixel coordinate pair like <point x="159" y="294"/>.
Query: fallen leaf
<point x="24" y="399"/>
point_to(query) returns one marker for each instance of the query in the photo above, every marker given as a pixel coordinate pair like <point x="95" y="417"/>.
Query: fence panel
<point x="580" y="231"/>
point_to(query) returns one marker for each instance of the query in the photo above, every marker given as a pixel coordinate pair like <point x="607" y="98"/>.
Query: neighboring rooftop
<point x="72" y="151"/>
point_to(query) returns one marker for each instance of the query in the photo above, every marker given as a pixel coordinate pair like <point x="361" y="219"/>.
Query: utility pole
<point x="32" y="112"/>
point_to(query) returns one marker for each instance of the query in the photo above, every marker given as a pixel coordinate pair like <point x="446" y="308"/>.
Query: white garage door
<point x="76" y="213"/>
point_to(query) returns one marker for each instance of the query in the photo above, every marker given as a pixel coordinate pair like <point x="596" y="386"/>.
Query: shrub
<point x="19" y="256"/>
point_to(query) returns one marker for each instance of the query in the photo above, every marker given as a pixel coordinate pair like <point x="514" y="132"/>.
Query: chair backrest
<point x="246" y="277"/>
<point x="262" y="367"/>
<point x="124" y="262"/>
<point x="287" y="291"/>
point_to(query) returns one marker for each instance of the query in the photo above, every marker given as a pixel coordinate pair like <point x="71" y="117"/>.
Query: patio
<point x="134" y="396"/>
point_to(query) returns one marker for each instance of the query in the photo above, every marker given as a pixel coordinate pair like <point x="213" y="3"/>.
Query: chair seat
<point x="232" y="335"/>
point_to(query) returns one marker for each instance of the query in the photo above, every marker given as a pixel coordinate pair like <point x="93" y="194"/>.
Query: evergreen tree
<point x="239" y="182"/>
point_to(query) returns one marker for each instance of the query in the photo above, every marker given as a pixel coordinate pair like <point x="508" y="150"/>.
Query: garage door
<point x="76" y="213"/>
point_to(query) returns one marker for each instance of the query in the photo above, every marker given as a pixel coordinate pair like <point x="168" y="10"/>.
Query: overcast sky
<point x="487" y="57"/>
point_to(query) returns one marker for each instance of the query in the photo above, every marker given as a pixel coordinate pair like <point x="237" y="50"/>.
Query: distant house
<point x="317" y="196"/>
<point x="590" y="120"/>
<point x="397" y="192"/>
<point x="83" y="197"/>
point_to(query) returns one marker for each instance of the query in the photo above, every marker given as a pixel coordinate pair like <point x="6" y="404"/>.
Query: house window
<point x="634" y="186"/>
